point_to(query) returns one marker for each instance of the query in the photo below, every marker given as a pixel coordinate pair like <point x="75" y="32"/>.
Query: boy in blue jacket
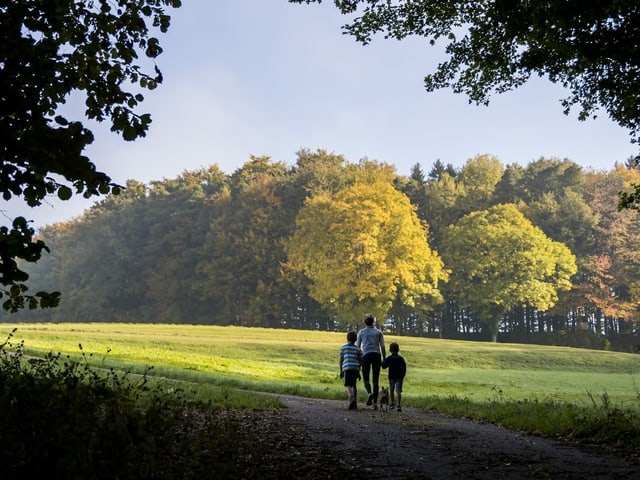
<point x="397" y="371"/>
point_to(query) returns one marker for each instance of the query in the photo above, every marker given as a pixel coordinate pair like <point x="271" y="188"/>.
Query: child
<point x="350" y="358"/>
<point x="397" y="370"/>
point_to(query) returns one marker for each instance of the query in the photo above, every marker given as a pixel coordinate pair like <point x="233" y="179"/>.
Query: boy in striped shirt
<point x="350" y="358"/>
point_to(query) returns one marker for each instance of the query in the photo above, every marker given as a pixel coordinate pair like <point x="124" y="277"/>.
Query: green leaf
<point x="64" y="193"/>
<point x="129" y="133"/>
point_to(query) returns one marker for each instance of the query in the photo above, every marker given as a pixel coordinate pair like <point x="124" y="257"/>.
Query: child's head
<point x="351" y="337"/>
<point x="369" y="319"/>
<point x="394" y="347"/>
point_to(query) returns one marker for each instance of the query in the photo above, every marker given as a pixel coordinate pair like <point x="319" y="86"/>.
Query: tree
<point x="242" y="256"/>
<point x="508" y="189"/>
<point x="566" y="218"/>
<point x="612" y="283"/>
<point x="414" y="188"/>
<point x="499" y="260"/>
<point x="51" y="52"/>
<point x="316" y="172"/>
<point x="439" y="169"/>
<point x="478" y="179"/>
<point x="176" y="219"/>
<point x="630" y="198"/>
<point x="443" y="198"/>
<point x="364" y="248"/>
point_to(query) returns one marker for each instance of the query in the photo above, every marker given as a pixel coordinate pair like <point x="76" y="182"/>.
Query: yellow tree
<point x="364" y="248"/>
<point x="499" y="260"/>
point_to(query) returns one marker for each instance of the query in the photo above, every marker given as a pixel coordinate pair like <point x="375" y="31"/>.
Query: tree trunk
<point x="494" y="326"/>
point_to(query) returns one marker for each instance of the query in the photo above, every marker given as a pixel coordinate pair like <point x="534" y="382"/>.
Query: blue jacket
<point x="397" y="366"/>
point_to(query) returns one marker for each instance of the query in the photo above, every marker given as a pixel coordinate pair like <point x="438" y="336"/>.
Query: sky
<point x="266" y="77"/>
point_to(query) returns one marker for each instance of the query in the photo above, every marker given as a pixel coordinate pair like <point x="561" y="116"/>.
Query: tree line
<point x="536" y="253"/>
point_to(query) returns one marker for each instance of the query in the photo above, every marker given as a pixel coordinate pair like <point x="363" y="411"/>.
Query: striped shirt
<point x="350" y="356"/>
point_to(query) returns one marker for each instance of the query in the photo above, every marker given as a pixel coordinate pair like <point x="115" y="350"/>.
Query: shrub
<point x="65" y="419"/>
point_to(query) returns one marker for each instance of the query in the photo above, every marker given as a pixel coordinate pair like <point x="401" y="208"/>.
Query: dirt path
<point x="415" y="444"/>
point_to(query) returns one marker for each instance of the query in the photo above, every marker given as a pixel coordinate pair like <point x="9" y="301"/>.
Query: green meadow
<point x="216" y="359"/>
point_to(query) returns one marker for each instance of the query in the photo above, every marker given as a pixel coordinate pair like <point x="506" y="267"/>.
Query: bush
<point x="64" y="419"/>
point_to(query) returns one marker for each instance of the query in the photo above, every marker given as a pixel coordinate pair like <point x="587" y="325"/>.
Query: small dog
<point x="384" y="399"/>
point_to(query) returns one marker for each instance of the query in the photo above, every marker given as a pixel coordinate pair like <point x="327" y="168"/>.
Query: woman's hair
<point x="369" y="319"/>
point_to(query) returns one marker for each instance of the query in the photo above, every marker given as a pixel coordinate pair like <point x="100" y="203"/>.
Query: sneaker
<point x="398" y="408"/>
<point x="353" y="406"/>
<point x="392" y="406"/>
<point x="370" y="399"/>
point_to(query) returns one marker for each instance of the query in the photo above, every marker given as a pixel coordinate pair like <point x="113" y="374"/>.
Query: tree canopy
<point x="362" y="249"/>
<point x="51" y="52"/>
<point x="499" y="260"/>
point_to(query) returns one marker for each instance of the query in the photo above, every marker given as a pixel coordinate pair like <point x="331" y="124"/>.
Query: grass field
<point x="306" y="363"/>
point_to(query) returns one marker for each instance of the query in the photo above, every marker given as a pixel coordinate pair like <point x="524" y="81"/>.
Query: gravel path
<point x="416" y="444"/>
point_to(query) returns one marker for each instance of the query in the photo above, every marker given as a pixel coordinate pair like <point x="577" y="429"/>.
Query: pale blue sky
<point x="266" y="77"/>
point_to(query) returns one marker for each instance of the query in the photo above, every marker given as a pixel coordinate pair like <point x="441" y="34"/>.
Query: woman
<point x="371" y="341"/>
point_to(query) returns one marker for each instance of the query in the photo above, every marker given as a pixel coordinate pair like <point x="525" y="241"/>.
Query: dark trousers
<point x="371" y="363"/>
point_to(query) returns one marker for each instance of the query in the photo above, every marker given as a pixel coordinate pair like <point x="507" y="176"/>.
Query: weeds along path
<point x="417" y="444"/>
